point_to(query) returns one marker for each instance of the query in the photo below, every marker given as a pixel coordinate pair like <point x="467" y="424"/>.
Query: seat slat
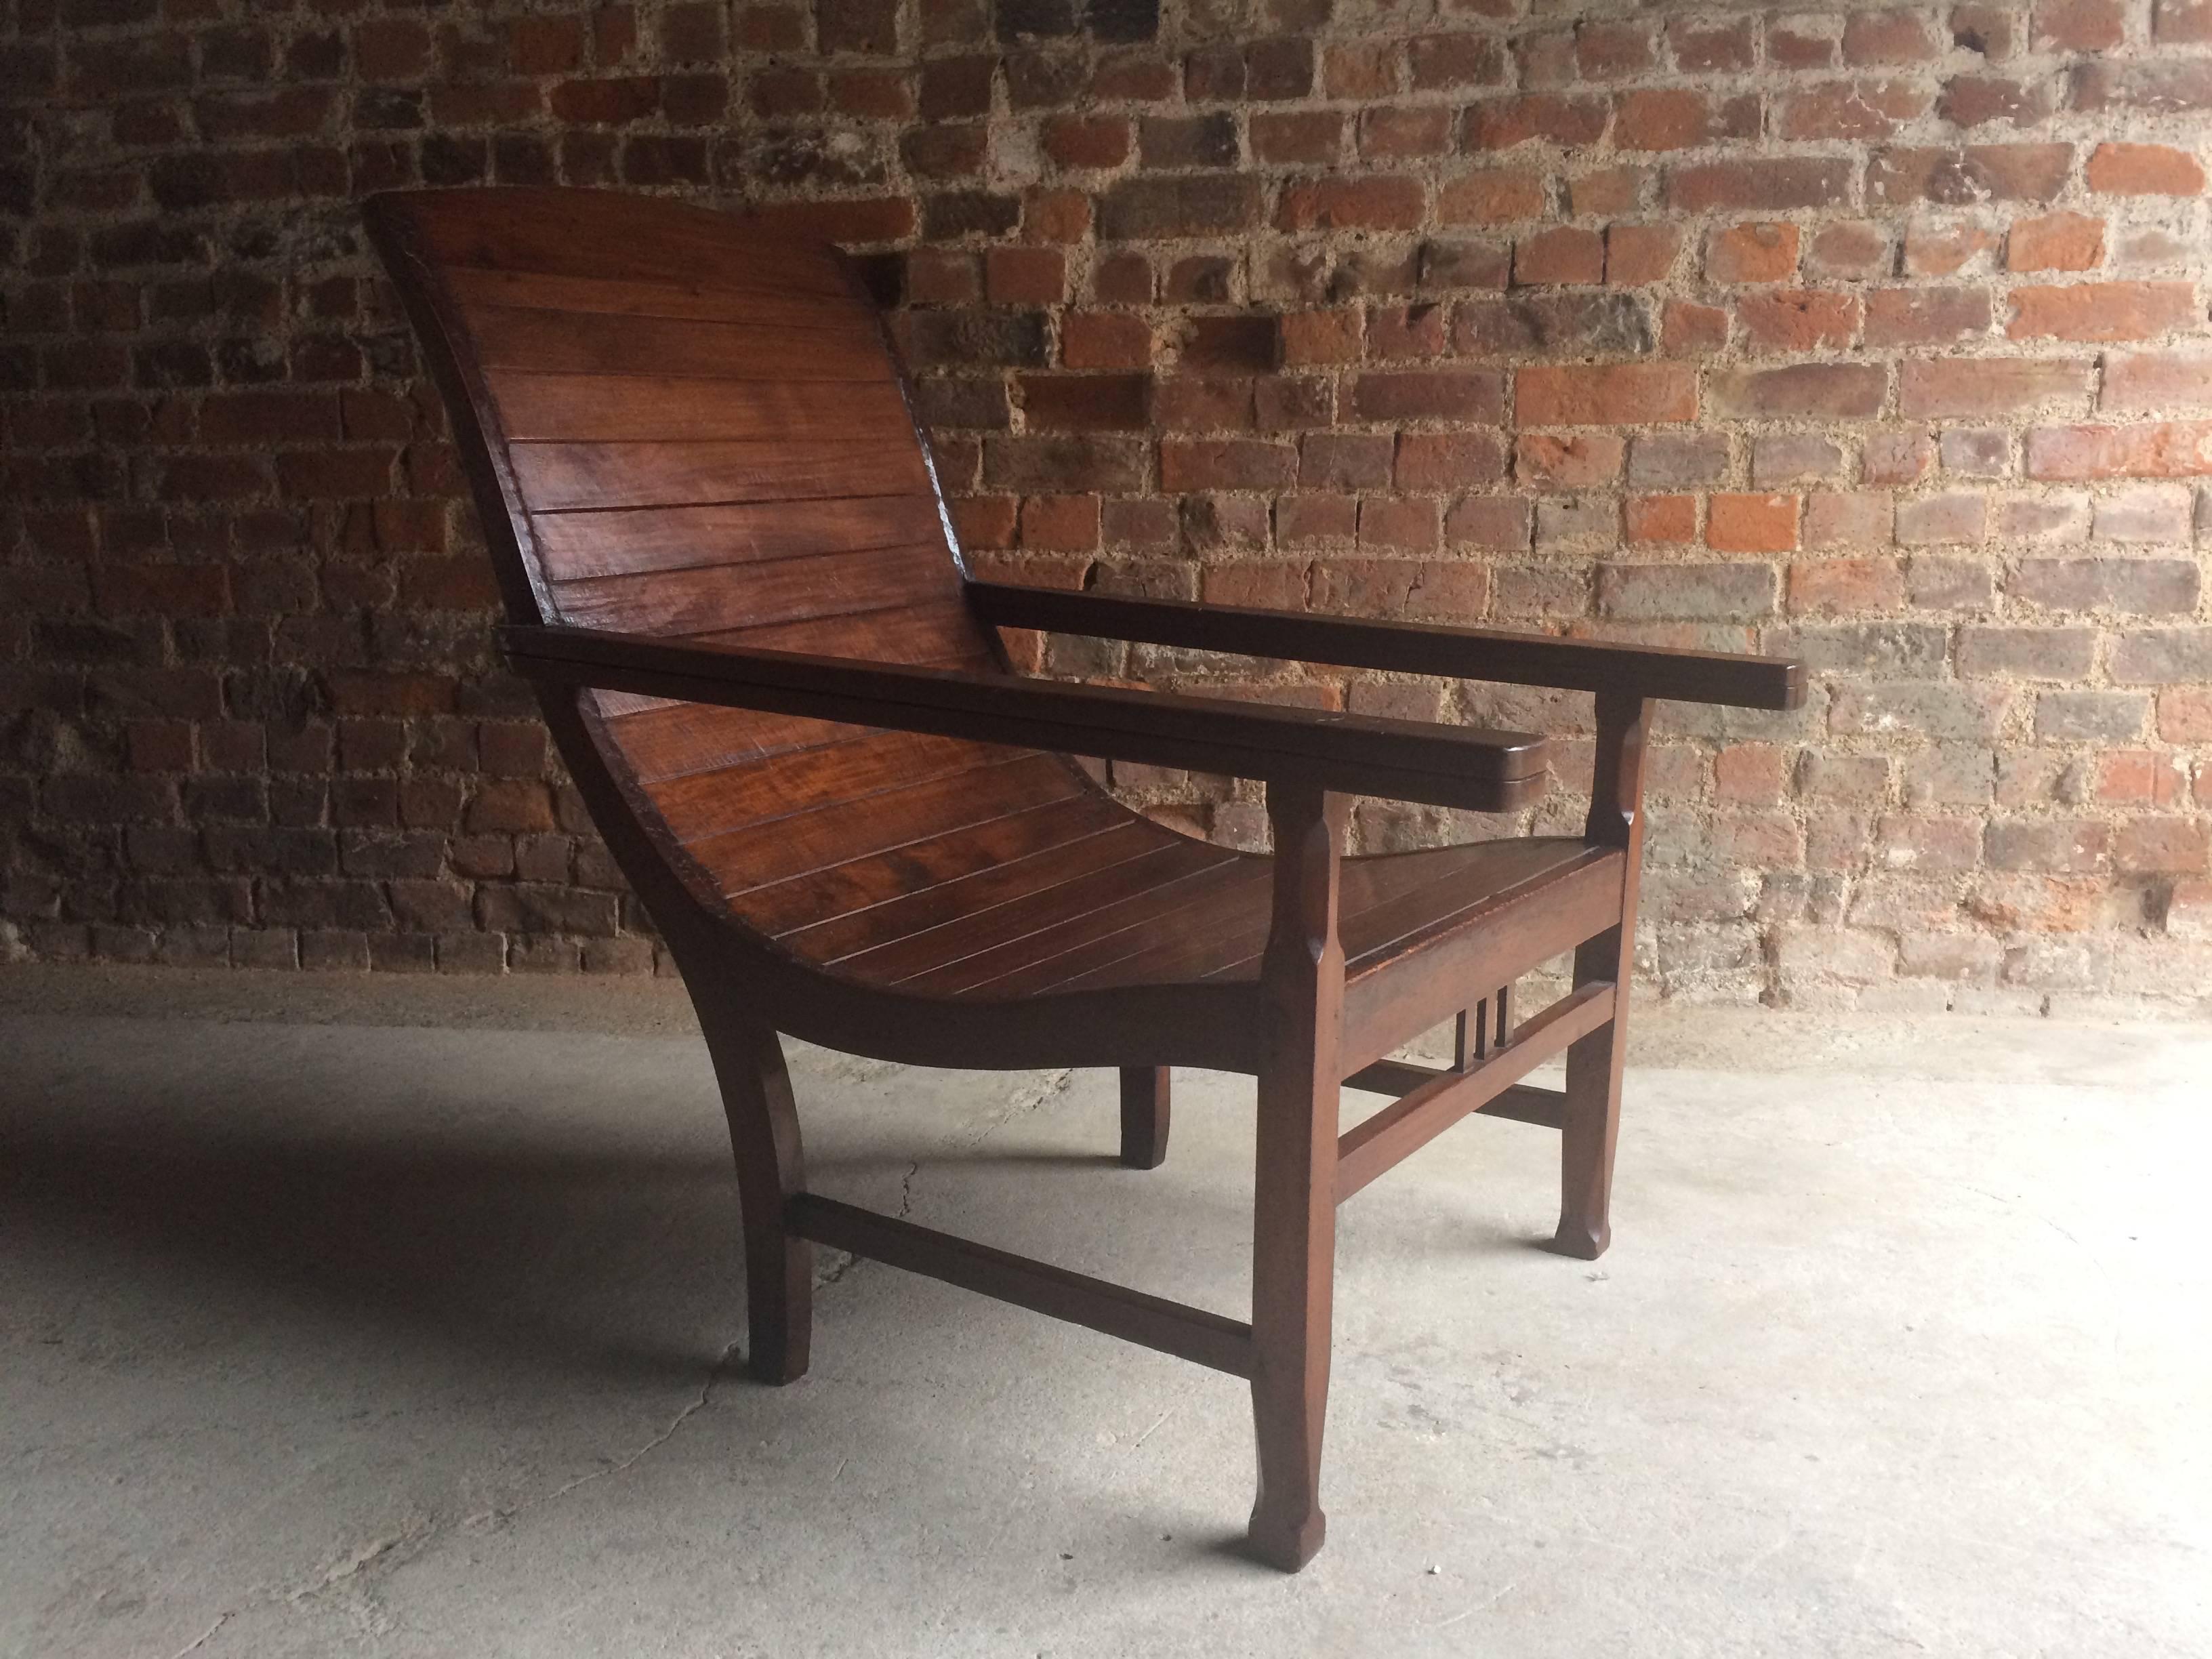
<point x="627" y="540"/>
<point x="833" y="831"/>
<point x="714" y="600"/>
<point x="601" y="342"/>
<point x="715" y="803"/>
<point x="1108" y="927"/>
<point x="559" y="476"/>
<point x="703" y="301"/>
<point x="838" y="937"/>
<point x="1058" y="910"/>
<point x="919" y="867"/>
<point x="539" y="407"/>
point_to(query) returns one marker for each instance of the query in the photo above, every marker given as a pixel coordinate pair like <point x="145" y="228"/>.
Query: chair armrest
<point x="1402" y="759"/>
<point x="1470" y="653"/>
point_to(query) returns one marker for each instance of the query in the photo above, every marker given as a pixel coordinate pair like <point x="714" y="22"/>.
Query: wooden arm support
<point x="1401" y="647"/>
<point x="1399" y="760"/>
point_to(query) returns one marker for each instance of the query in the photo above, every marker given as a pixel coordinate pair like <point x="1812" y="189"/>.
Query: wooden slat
<point x="627" y="540"/>
<point x="1375" y="1145"/>
<point x="715" y="803"/>
<point x="609" y="234"/>
<point x="918" y="864"/>
<point x="844" y="936"/>
<point x="716" y="599"/>
<point x="703" y="301"/>
<point x="1392" y="915"/>
<point x="1401" y="647"/>
<point x="839" y="831"/>
<point x="979" y="947"/>
<point x="558" y="477"/>
<point x="672" y="740"/>
<point x="927" y="635"/>
<point x="1221" y="912"/>
<point x="538" y="407"/>
<point x="1192" y="1334"/>
<point x="575" y="343"/>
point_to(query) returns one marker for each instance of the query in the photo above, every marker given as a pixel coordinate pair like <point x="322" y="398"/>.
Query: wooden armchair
<point x="731" y="574"/>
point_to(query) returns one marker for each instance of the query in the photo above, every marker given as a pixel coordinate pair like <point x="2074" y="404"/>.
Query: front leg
<point x="771" y="1170"/>
<point x="1294" y="1194"/>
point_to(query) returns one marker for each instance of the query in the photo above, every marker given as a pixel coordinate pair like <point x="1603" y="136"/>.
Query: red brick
<point x="1751" y="523"/>
<point x="1752" y="253"/>
<point x="1299" y="137"/>
<point x="1846" y="586"/>
<point x="2116" y="169"/>
<point x="1322" y="336"/>
<point x="1975" y="172"/>
<point x="1226" y="464"/>
<point x="1496" y="196"/>
<point x="1423" y="395"/>
<point x="1615" y="394"/>
<point x="1377" y="202"/>
<point x="1851" y="110"/>
<point x="2078" y="25"/>
<point x="1494" y="124"/>
<point x="2101" y="311"/>
<point x="1105" y="339"/>
<point x="1925" y="316"/>
<point x="1563" y="254"/>
<point x="1067" y="524"/>
<point x="1670" y="519"/>
<point x="1612" y="50"/>
<point x="1436" y="61"/>
<point x="1025" y="276"/>
<point x="2056" y="242"/>
<point x="1689" y="330"/>
<point x="1676" y="119"/>
<point x="1775" y="186"/>
<point x="2142" y="382"/>
<point x="1894" y="36"/>
<point x="1079" y="141"/>
<point x="1638" y="254"/>
<point x="1568" y="461"/>
<point x="1941" y="248"/>
<point x="1978" y="100"/>
<point x="2167" y="449"/>
<point x="1085" y="403"/>
<point x="1394" y="133"/>
<point x="1993" y="385"/>
<point x="1845" y="391"/>
<point x="1448" y="460"/>
<point x="1798" y="319"/>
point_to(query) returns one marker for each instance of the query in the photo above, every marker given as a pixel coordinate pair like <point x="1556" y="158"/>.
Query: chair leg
<point x="1591" y="1119"/>
<point x="1294" y="1185"/>
<point x="1144" y="1116"/>
<point x="771" y="1169"/>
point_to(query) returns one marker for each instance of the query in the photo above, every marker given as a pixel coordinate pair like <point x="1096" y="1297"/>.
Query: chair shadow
<point x="485" y="1245"/>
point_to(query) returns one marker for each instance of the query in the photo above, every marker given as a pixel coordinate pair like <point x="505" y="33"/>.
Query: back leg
<point x="1144" y="1116"/>
<point x="771" y="1169"/>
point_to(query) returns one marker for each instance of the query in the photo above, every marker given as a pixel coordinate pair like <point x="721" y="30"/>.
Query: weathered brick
<point x="2100" y="311"/>
<point x="1616" y="394"/>
<point x="2118" y="169"/>
<point x="2169" y="449"/>
<point x="1694" y="593"/>
<point x="1757" y="253"/>
<point x="2145" y="382"/>
<point x="1991" y="386"/>
<point x="1842" y="391"/>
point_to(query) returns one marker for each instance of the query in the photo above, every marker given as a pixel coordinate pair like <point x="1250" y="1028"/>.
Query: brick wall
<point x="1874" y="334"/>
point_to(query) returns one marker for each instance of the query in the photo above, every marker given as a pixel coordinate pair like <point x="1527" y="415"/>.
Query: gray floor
<point x="393" y="1325"/>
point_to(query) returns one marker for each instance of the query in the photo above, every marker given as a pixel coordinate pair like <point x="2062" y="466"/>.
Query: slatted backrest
<point x="697" y="430"/>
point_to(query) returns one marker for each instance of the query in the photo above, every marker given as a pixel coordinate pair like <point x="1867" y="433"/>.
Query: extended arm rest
<point x="1401" y="647"/>
<point x="1402" y="760"/>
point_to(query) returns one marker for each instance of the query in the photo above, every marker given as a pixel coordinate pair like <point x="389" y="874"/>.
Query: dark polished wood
<point x="1144" y="1116"/>
<point x="730" y="575"/>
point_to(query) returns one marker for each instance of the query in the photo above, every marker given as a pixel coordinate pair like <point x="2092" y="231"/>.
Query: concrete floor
<point x="386" y="1317"/>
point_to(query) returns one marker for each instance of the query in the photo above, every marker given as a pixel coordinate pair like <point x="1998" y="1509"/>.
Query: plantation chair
<point x="730" y="574"/>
